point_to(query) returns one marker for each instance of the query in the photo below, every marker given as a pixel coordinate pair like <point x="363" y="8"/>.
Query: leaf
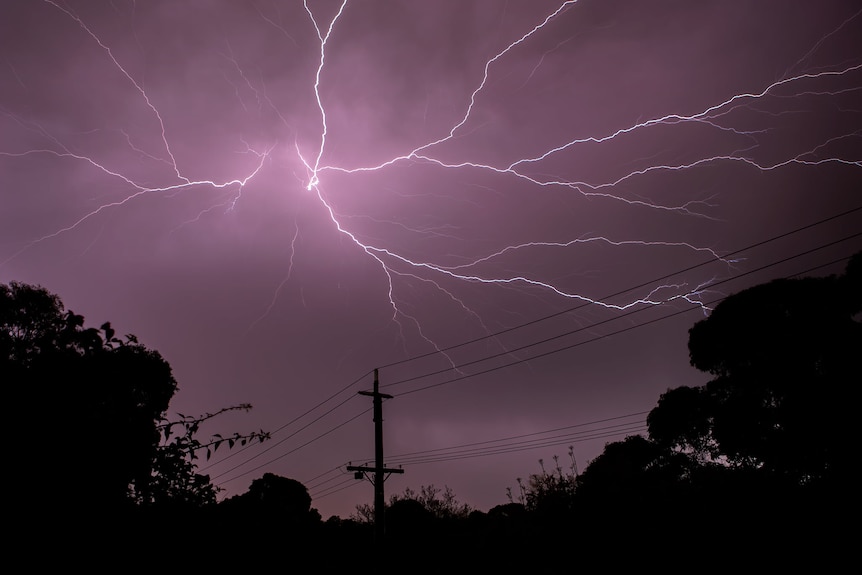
<point x="209" y="454"/>
<point x="109" y="332"/>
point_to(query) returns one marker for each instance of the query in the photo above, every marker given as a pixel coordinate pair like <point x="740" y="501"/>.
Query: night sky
<point x="282" y="196"/>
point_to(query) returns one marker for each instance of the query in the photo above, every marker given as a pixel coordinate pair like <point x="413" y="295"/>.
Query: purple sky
<point x="282" y="196"/>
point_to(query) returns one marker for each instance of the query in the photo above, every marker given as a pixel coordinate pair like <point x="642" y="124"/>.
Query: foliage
<point x="785" y="360"/>
<point x="274" y="499"/>
<point x="634" y="471"/>
<point x="439" y="503"/>
<point x="548" y="492"/>
<point x="681" y="421"/>
<point x="363" y="514"/>
<point x="92" y="407"/>
<point x="174" y="479"/>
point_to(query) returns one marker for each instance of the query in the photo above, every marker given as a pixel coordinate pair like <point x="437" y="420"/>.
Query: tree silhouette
<point x="440" y="503"/>
<point x="547" y="497"/>
<point x="88" y="414"/>
<point x="174" y="480"/>
<point x="634" y="475"/>
<point x="785" y="360"/>
<point x="277" y="496"/>
<point x="408" y="520"/>
<point x="277" y="511"/>
<point x="87" y="402"/>
<point x="759" y="458"/>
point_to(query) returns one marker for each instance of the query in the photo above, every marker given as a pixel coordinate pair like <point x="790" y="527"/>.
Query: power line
<point x="452" y="453"/>
<point x="629" y="328"/>
<point x="291" y="451"/>
<point x="589" y="435"/>
<point x="630" y="430"/>
<point x="292" y="421"/>
<point x="311" y="486"/>
<point x="585" y="435"/>
<point x="346" y="484"/>
<point x="472" y="450"/>
<point x="271" y="447"/>
<point x="521" y="436"/>
<point x="615" y="294"/>
<point x="597" y="338"/>
<point x="532" y="322"/>
<point x="315" y="478"/>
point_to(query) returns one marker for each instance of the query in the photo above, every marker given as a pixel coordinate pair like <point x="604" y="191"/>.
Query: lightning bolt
<point x="534" y="171"/>
<point x="62" y="151"/>
<point x="710" y="116"/>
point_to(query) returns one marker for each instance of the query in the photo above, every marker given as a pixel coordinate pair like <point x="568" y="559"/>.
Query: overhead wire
<point x="621" y="292"/>
<point x="556" y="351"/>
<point x="617" y="429"/>
<point x="314" y="486"/>
<point x="587" y="435"/>
<point x="632" y="429"/>
<point x="316" y="477"/>
<point x="346" y="484"/>
<point x="342" y="390"/>
<point x="279" y="442"/>
<point x="513" y="437"/>
<point x="458" y="452"/>
<point x="452" y="453"/>
<point x="577" y="344"/>
<point x="292" y="421"/>
<point x="310" y="441"/>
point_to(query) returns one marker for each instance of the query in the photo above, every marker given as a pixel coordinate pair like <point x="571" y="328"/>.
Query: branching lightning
<point x="526" y="171"/>
<point x="709" y="116"/>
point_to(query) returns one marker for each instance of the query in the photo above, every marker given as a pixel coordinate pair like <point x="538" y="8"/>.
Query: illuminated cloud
<point x="282" y="196"/>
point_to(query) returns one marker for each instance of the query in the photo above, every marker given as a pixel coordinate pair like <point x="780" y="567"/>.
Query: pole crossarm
<point x="376" y="394"/>
<point x="371" y="469"/>
<point x="359" y="472"/>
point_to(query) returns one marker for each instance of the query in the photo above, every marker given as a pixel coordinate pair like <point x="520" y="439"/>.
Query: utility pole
<point x="379" y="469"/>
